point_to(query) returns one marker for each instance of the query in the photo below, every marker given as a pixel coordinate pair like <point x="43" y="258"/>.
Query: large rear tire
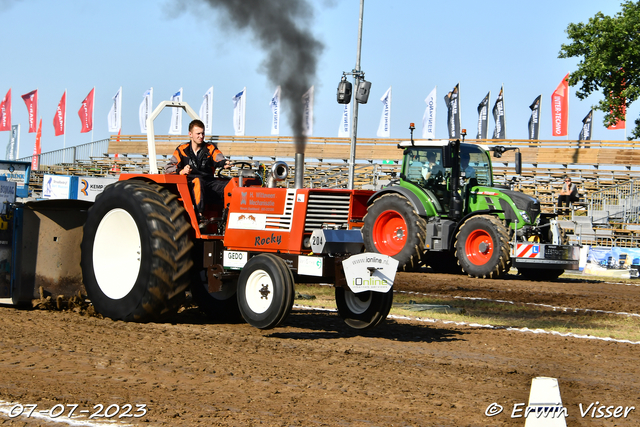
<point x="482" y="247"/>
<point x="136" y="252"/>
<point x="363" y="310"/>
<point x="265" y="291"/>
<point x="393" y="227"/>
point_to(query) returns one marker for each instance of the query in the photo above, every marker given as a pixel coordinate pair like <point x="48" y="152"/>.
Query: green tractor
<point x="447" y="213"/>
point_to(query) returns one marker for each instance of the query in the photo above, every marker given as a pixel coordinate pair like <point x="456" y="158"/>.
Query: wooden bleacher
<point x="592" y="165"/>
<point x="265" y="147"/>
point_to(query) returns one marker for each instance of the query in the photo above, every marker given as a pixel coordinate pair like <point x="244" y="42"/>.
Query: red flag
<point x="58" y="119"/>
<point x="621" y="123"/>
<point x="86" y="112"/>
<point x="5" y="112"/>
<point x="36" y="149"/>
<point x="31" y="99"/>
<point x="560" y="108"/>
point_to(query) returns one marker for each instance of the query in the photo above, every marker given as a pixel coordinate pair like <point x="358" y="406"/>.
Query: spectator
<point x="568" y="194"/>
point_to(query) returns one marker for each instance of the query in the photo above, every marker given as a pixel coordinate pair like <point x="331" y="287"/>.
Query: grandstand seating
<point x="592" y="165"/>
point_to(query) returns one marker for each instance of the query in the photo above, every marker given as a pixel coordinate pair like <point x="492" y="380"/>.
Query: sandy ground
<point x="315" y="371"/>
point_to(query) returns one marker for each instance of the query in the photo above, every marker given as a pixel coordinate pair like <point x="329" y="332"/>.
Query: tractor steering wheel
<point x="241" y="164"/>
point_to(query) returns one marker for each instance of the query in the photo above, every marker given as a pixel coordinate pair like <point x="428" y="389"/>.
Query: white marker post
<point x="545" y="405"/>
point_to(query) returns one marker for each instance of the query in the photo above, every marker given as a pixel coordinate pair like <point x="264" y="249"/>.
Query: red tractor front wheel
<point x="479" y="247"/>
<point x="482" y="247"/>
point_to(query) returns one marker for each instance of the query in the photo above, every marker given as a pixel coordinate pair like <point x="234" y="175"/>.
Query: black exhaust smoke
<point x="281" y="28"/>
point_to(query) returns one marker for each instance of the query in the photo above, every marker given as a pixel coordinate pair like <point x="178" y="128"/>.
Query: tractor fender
<point x="177" y="184"/>
<point x="415" y="202"/>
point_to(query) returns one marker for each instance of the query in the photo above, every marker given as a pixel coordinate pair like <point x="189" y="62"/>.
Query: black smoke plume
<point x="281" y="29"/>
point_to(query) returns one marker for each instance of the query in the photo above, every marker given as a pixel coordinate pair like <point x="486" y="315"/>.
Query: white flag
<point x="145" y="109"/>
<point x="384" y="129"/>
<point x="14" y="143"/>
<point x="176" y="115"/>
<point x="115" y="114"/>
<point x="239" y="110"/>
<point x="206" y="110"/>
<point x="345" y="122"/>
<point x="275" y="112"/>
<point x="307" y="115"/>
<point x="429" y="118"/>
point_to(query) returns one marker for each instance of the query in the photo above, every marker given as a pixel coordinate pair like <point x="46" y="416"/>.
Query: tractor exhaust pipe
<point x="299" y="179"/>
<point x="279" y="172"/>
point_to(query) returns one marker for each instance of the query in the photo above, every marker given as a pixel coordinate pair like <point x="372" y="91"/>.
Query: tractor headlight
<point x="525" y="216"/>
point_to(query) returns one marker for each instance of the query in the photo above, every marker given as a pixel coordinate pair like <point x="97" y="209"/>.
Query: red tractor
<point x="142" y="248"/>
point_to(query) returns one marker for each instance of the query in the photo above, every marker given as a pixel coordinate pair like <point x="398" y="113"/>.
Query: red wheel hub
<point x="479" y="247"/>
<point x="390" y="233"/>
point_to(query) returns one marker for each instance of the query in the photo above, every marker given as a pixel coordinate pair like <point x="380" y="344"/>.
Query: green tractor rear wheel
<point x="393" y="227"/>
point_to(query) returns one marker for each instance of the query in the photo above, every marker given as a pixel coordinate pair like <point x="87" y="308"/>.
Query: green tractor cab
<point x="447" y="213"/>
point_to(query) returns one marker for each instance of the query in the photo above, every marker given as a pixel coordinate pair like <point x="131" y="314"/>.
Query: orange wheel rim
<point x="479" y="247"/>
<point x="390" y="233"/>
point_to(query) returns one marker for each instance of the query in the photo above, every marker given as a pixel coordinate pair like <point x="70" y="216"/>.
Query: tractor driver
<point x="432" y="169"/>
<point x="199" y="160"/>
<point x="469" y="171"/>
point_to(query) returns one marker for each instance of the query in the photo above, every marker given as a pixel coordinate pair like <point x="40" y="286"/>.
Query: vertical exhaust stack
<point x="299" y="179"/>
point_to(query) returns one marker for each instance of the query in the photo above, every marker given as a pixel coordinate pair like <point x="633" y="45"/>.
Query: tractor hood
<point x="524" y="202"/>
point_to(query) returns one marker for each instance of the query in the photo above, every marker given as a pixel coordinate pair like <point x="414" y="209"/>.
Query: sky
<point x="411" y="46"/>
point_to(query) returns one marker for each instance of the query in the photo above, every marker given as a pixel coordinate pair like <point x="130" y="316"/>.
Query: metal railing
<point x="70" y="155"/>
<point x="619" y="202"/>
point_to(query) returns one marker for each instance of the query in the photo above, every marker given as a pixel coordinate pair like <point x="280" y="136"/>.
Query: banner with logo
<point x="206" y="110"/>
<point x="13" y="148"/>
<point x="307" y="112"/>
<point x="384" y="128"/>
<point x="500" y="131"/>
<point x="585" y="132"/>
<point x="31" y="101"/>
<point x="146" y="107"/>
<point x="114" y="118"/>
<point x="560" y="108"/>
<point x="37" y="149"/>
<point x="483" y="117"/>
<point x="5" y="112"/>
<point x="176" y="115"/>
<point x="617" y="262"/>
<point x="60" y="116"/>
<point x="239" y="110"/>
<point x="86" y="112"/>
<point x="534" y="120"/>
<point x="344" y="131"/>
<point x="452" y="101"/>
<point x="275" y="112"/>
<point x="429" y="116"/>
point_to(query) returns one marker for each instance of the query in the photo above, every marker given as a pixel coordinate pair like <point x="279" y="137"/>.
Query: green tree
<point x="609" y="52"/>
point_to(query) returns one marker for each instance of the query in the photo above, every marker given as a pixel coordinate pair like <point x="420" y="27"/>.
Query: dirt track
<point x="315" y="370"/>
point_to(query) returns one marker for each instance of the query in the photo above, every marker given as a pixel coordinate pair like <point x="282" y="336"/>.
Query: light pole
<point x="362" y="88"/>
<point x="354" y="129"/>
